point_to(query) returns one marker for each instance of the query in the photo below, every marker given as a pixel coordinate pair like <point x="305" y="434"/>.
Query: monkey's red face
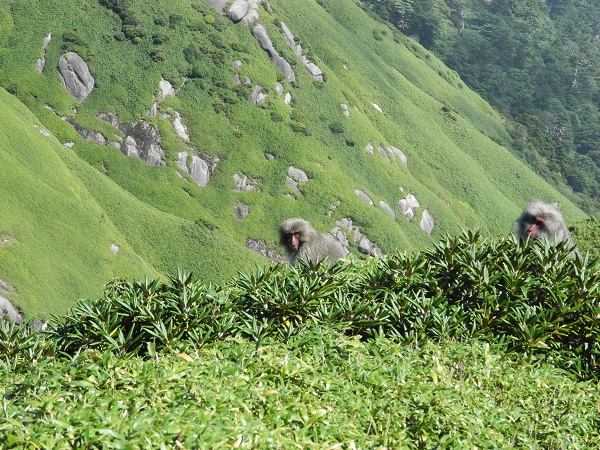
<point x="534" y="226"/>
<point x="294" y="240"/>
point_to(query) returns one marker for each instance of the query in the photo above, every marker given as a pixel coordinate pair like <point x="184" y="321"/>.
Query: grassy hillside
<point x="458" y="167"/>
<point x="536" y="61"/>
<point x="57" y="236"/>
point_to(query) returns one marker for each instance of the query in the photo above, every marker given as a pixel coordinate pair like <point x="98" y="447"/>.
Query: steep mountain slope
<point x="240" y="145"/>
<point x="536" y="61"/>
<point x="58" y="243"/>
<point x="56" y="239"/>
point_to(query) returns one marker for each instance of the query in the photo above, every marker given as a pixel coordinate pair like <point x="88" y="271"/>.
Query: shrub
<point x="336" y="127"/>
<point x="191" y="53"/>
<point x="129" y="17"/>
<point x="276" y="117"/>
<point x="73" y="37"/>
<point x="176" y="20"/>
<point x="132" y="32"/>
<point x="158" y="55"/>
<point x="534" y="300"/>
<point x="159" y="38"/>
<point x="209" y="19"/>
<point x="218" y="56"/>
<point x="298" y="127"/>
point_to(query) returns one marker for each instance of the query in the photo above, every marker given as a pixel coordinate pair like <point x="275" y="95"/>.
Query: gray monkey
<point x="302" y="241"/>
<point x="542" y="221"/>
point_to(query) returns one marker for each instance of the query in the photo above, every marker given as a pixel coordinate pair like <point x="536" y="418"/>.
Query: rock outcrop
<point x="237" y="10"/>
<point x="179" y="127"/>
<point x="387" y="209"/>
<point x="364" y="197"/>
<point x="294" y="177"/>
<point x="260" y="33"/>
<point x="219" y="5"/>
<point x="165" y="89"/>
<point x="258" y="97"/>
<point x="427" y="222"/>
<point x="397" y="153"/>
<point x="262" y="249"/>
<point x="241" y="210"/>
<point x="75" y="76"/>
<point x="88" y="135"/>
<point x="8" y="310"/>
<point x="383" y="153"/>
<point x="345" y="110"/>
<point x="345" y="228"/>
<point x="243" y="183"/>
<point x="391" y="154"/>
<point x="199" y="169"/>
<point x="310" y="66"/>
<point x="244" y="11"/>
<point x="287" y="99"/>
<point x="41" y="63"/>
<point x="407" y="205"/>
<point x="142" y="140"/>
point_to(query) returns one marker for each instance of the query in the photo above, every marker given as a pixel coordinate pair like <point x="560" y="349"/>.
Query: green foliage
<point x="337" y="127"/>
<point x="73" y="37"/>
<point x="455" y="344"/>
<point x="159" y="38"/>
<point x="464" y="178"/>
<point x="587" y="235"/>
<point x="534" y="300"/>
<point x="531" y="60"/>
<point x="276" y="116"/>
<point x="158" y="55"/>
<point x="321" y="390"/>
<point x="20" y="346"/>
<point x="134" y="317"/>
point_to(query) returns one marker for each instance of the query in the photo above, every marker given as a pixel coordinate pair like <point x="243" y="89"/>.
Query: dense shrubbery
<point x="403" y="352"/>
<point x="536" y="300"/>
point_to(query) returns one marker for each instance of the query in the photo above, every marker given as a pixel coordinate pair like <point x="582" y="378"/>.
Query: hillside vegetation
<point x="57" y="236"/>
<point x="535" y="61"/>
<point x="474" y="343"/>
<point x="397" y="94"/>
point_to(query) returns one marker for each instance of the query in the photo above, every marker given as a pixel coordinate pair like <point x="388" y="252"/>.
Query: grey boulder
<point x="75" y="75"/>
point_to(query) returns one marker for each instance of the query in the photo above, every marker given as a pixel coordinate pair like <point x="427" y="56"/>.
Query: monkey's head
<point x="534" y="227"/>
<point x="540" y="221"/>
<point x="293" y="233"/>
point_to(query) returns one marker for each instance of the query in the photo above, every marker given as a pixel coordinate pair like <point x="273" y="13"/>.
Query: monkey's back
<point x="322" y="246"/>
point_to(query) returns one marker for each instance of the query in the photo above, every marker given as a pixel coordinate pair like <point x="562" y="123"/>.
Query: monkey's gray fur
<point x="310" y="244"/>
<point x="542" y="221"/>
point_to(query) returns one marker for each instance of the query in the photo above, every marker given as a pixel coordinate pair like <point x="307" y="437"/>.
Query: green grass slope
<point x="57" y="237"/>
<point x="459" y="167"/>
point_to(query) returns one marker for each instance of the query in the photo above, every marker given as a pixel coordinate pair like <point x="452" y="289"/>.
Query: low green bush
<point x="535" y="300"/>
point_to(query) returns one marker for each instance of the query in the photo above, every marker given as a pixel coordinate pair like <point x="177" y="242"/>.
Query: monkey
<point x="302" y="241"/>
<point x="542" y="221"/>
